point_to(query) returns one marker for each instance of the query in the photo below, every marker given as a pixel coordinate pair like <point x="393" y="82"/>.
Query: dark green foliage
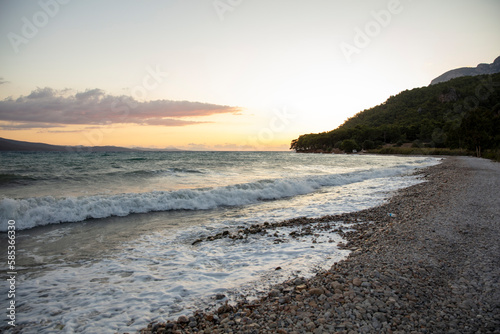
<point x="420" y="151"/>
<point x="368" y="145"/>
<point x="463" y="113"/>
<point x="349" y="145"/>
<point x="492" y="154"/>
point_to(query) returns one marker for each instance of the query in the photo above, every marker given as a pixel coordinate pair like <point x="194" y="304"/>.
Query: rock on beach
<point x="432" y="266"/>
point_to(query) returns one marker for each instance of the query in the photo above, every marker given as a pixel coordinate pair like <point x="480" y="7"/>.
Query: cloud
<point x="27" y="125"/>
<point x="94" y="107"/>
<point x="2" y="81"/>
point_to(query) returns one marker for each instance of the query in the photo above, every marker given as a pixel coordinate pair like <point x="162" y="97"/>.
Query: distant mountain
<point x="16" y="145"/>
<point x="469" y="71"/>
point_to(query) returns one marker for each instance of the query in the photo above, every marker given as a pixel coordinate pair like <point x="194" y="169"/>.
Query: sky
<point x="222" y="74"/>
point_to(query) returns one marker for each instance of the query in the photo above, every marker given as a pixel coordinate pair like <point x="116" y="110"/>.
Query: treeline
<point x="463" y="113"/>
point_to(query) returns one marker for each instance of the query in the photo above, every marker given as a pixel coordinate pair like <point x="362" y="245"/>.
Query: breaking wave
<point x="38" y="211"/>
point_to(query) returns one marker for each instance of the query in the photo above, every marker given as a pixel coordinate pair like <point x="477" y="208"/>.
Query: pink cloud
<point x="47" y="106"/>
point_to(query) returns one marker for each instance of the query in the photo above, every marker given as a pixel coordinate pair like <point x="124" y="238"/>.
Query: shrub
<point x="349" y="145"/>
<point x="368" y="145"/>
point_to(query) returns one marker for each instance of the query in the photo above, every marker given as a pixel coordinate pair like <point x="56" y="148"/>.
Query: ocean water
<point x="104" y="241"/>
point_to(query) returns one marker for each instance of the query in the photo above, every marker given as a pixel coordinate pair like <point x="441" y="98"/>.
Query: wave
<point x="138" y="159"/>
<point x="14" y="178"/>
<point x="185" y="170"/>
<point x="154" y="172"/>
<point x="38" y="211"/>
<point x="7" y="179"/>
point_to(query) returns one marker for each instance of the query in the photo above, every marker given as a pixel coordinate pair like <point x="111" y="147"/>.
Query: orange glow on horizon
<point x="207" y="136"/>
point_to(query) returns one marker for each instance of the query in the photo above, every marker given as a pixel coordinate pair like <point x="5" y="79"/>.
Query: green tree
<point x="368" y="145"/>
<point x="349" y="145"/>
<point x="477" y="126"/>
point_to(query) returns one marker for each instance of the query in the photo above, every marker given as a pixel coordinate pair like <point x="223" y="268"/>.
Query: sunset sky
<point x="222" y="74"/>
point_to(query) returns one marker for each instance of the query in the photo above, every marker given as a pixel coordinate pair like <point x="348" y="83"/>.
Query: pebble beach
<point x="427" y="261"/>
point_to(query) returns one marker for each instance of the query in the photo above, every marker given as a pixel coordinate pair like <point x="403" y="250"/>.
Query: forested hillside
<point x="463" y="113"/>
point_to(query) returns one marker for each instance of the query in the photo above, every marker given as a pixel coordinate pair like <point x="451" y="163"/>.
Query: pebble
<point x="220" y="296"/>
<point x="356" y="281"/>
<point x="183" y="319"/>
<point x="316" y="291"/>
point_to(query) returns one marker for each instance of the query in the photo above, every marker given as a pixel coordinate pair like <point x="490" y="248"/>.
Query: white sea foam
<point x="160" y="277"/>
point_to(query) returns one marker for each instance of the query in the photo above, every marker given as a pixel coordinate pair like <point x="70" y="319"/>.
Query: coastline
<point x="430" y="266"/>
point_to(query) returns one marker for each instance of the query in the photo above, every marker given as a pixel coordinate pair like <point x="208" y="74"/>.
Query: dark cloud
<point x="40" y="93"/>
<point x="2" y="81"/>
<point x="27" y="125"/>
<point x="95" y="107"/>
<point x="90" y="94"/>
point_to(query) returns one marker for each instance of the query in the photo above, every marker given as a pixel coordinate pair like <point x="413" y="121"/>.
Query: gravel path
<point x="433" y="266"/>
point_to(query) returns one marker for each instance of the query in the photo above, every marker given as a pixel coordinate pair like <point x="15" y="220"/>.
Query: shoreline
<point x="432" y="266"/>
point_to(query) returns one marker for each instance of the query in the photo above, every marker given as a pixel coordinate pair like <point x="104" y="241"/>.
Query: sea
<point x="105" y="242"/>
